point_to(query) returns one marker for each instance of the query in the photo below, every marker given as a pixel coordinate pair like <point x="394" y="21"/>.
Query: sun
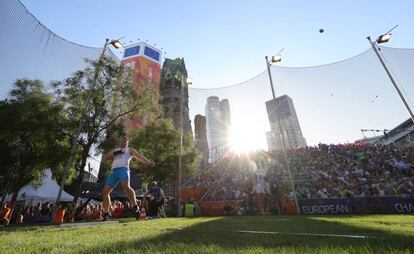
<point x="246" y="137"/>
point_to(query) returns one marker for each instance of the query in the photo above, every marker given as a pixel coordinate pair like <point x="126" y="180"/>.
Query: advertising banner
<point x="217" y="208"/>
<point x="357" y="205"/>
<point x="145" y="60"/>
<point x="196" y="193"/>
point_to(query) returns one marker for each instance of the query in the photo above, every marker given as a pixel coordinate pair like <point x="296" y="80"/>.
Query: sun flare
<point x="246" y="137"/>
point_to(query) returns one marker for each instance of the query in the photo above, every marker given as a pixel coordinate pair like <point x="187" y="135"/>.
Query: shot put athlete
<point x="120" y="173"/>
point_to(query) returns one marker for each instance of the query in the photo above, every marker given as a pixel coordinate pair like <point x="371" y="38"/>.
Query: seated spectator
<point x="78" y="212"/>
<point x="60" y="214"/>
<point x="4" y="214"/>
<point x="118" y="210"/>
<point x="239" y="210"/>
<point x="172" y="207"/>
<point x="36" y="210"/>
<point x="228" y="210"/>
<point x="45" y="213"/>
<point x="156" y="198"/>
<point x="189" y="208"/>
<point x="87" y="213"/>
<point x="97" y="212"/>
<point x="69" y="217"/>
<point x="19" y="218"/>
<point x="28" y="216"/>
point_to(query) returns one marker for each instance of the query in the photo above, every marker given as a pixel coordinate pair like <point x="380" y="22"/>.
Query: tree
<point x="102" y="95"/>
<point x="31" y="139"/>
<point x="160" y="142"/>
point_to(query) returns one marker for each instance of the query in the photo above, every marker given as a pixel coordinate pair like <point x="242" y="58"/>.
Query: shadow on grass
<point x="222" y="233"/>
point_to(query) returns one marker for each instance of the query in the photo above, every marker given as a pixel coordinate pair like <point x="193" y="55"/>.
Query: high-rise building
<point x="173" y="78"/>
<point x="146" y="61"/>
<point x="292" y="134"/>
<point x="200" y="133"/>
<point x="213" y="116"/>
<point x="225" y="121"/>
<point x="273" y="142"/>
<point x="218" y="125"/>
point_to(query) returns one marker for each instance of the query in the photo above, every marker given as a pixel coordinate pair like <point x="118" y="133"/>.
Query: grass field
<point x="386" y="234"/>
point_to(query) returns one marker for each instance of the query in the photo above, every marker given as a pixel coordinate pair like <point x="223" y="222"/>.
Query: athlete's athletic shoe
<point x="106" y="216"/>
<point x="135" y="211"/>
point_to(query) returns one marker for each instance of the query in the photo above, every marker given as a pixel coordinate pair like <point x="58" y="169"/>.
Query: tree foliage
<point x="160" y="142"/>
<point x="103" y="95"/>
<point x="31" y="137"/>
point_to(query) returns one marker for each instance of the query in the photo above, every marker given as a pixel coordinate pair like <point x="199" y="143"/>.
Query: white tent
<point x="46" y="192"/>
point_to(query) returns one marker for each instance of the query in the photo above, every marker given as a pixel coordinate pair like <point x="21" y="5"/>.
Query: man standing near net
<point x="120" y="173"/>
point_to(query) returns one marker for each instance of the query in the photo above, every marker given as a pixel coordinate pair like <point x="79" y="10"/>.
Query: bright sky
<point x="224" y="42"/>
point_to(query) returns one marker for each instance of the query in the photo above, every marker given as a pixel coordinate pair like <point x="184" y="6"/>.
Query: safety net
<point x="333" y="102"/>
<point x="30" y="50"/>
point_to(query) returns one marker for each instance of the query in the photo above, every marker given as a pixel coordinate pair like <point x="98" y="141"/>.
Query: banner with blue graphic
<point x="132" y="51"/>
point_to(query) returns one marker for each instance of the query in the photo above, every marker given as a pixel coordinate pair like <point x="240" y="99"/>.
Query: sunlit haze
<point x="246" y="136"/>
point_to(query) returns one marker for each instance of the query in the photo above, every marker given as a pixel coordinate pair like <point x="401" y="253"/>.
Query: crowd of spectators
<point x="91" y="210"/>
<point x="323" y="171"/>
<point x="234" y="178"/>
<point x="228" y="179"/>
<point x="42" y="212"/>
<point x="337" y="171"/>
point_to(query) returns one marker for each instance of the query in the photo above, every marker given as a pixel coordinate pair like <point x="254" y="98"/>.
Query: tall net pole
<point x="282" y="142"/>
<point x="77" y="134"/>
<point x="374" y="47"/>
<point x="180" y="157"/>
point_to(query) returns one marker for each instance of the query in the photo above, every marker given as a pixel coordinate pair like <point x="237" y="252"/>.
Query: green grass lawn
<point x="386" y="234"/>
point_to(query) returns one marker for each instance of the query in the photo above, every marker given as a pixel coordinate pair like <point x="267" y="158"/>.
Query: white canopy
<point x="46" y="192"/>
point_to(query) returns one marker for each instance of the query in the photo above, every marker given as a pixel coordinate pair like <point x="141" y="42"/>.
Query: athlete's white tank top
<point x="121" y="158"/>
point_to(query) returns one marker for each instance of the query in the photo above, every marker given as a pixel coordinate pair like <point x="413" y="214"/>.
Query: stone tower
<point x="200" y="133"/>
<point x="173" y="79"/>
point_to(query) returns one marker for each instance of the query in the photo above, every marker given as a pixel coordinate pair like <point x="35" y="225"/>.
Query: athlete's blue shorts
<point x="118" y="175"/>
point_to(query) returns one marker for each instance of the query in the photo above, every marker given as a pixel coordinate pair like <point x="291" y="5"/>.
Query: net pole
<point x="76" y="136"/>
<point x="282" y="141"/>
<point x="180" y="157"/>
<point x="374" y="47"/>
